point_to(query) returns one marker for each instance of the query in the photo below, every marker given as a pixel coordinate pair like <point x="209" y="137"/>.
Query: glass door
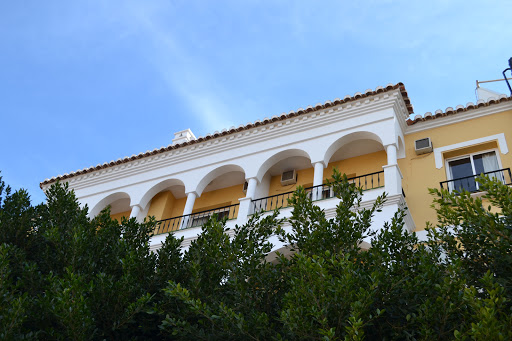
<point x="464" y="170"/>
<point x="461" y="171"/>
<point x="488" y="162"/>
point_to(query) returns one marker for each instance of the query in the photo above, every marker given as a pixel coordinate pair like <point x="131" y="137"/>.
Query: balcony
<point x="367" y="182"/>
<point x="324" y="191"/>
<point x="196" y="219"/>
<point x="470" y="184"/>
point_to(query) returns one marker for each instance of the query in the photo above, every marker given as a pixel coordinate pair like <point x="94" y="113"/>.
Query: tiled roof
<point x="458" y="109"/>
<point x="232" y="130"/>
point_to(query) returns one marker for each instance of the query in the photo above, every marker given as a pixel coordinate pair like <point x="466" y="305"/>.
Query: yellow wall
<point x="420" y="172"/>
<point x="164" y="205"/>
<point x="359" y="165"/>
<point x="355" y="166"/>
<point x="161" y="205"/>
<point x="469" y="150"/>
<point x="219" y="198"/>
<point x="486" y="203"/>
<point x="120" y="215"/>
<point x="304" y="179"/>
<point x="178" y="207"/>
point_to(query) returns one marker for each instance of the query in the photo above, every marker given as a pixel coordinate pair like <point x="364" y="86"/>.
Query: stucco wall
<point x="420" y="172"/>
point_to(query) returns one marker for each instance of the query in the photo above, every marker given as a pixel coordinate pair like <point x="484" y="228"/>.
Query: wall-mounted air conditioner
<point x="288" y="178"/>
<point x="246" y="184"/>
<point x="423" y="146"/>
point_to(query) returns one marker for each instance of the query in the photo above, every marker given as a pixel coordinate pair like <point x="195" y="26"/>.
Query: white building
<point x="233" y="172"/>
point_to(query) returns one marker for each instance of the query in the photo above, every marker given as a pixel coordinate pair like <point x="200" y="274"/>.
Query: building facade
<point x="256" y="167"/>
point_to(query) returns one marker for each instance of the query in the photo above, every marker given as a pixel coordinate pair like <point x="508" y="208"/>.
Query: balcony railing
<point x="469" y="183"/>
<point x="366" y="182"/>
<point x="195" y="219"/>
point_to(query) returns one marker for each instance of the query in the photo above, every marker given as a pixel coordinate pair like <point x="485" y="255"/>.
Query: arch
<point x="278" y="157"/>
<point x="212" y="175"/>
<point x="360" y="135"/>
<point x="285" y="250"/>
<point x="401" y="147"/>
<point x="162" y="185"/>
<point x="109" y="199"/>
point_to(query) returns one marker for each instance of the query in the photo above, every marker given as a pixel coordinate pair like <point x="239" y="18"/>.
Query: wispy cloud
<point x="183" y="72"/>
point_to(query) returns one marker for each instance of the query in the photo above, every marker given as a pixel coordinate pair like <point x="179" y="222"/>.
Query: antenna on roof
<point x="486" y="94"/>
<point x="509" y="68"/>
<point x="493" y="80"/>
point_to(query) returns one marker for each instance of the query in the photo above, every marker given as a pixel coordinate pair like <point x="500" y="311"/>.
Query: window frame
<point x="470" y="155"/>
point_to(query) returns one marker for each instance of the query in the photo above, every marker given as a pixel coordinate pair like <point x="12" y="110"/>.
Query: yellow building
<point x="368" y="136"/>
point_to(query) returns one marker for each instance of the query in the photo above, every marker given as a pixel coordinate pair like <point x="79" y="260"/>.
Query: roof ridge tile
<point x="283" y="116"/>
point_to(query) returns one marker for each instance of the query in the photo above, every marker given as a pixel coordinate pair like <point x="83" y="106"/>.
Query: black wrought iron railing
<point x="195" y="219"/>
<point x="271" y="202"/>
<point x="470" y="184"/>
<point x="366" y="182"/>
<point x="170" y="224"/>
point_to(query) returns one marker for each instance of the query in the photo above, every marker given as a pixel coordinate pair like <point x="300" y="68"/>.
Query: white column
<point x="391" y="151"/>
<point x="189" y="206"/>
<point x="245" y="207"/>
<point x="318" y="179"/>
<point x="136" y="209"/>
<point x="251" y="187"/>
<point x="392" y="174"/>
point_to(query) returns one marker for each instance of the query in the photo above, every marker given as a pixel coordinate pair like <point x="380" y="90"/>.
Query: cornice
<point x="458" y="117"/>
<point x="400" y="108"/>
<point x="328" y="104"/>
<point x="294" y="125"/>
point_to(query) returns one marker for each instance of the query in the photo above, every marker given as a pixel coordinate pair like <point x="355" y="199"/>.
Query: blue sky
<point x="86" y="82"/>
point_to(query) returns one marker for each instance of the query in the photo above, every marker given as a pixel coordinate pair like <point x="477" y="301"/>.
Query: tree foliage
<point x="66" y="276"/>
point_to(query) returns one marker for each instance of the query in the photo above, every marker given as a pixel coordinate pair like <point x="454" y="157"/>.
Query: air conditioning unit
<point x="423" y="146"/>
<point x="288" y="178"/>
<point x="246" y="184"/>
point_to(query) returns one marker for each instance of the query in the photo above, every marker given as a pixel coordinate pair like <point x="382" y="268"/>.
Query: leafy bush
<point x="66" y="276"/>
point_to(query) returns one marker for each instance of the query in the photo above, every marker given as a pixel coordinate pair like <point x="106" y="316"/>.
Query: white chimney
<point x="183" y="136"/>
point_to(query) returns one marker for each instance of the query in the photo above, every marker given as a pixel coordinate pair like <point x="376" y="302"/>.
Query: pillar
<point x="189" y="206"/>
<point x="392" y="174"/>
<point x="136" y="209"/>
<point x="391" y="151"/>
<point x="318" y="179"/>
<point x="251" y="187"/>
<point x="245" y="207"/>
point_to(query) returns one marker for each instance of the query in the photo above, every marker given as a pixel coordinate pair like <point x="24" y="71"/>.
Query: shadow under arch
<point x="279" y="156"/>
<point x="109" y="199"/>
<point x="212" y="175"/>
<point x="359" y="135"/>
<point x="159" y="187"/>
<point x="285" y="250"/>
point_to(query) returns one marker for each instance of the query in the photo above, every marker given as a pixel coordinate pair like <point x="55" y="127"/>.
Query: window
<point x="463" y="170"/>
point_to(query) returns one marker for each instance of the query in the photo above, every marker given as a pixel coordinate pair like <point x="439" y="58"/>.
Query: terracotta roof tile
<point x="458" y="109"/>
<point x="283" y="116"/>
